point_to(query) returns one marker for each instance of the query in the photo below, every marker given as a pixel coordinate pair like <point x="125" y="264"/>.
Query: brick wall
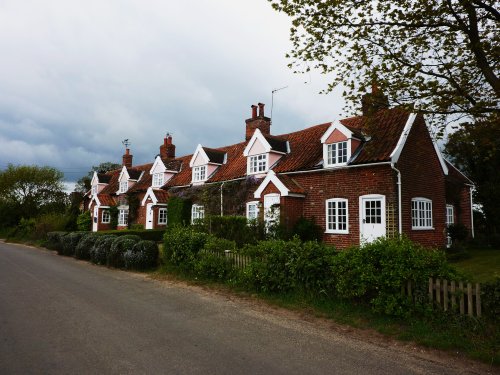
<point x="422" y="176"/>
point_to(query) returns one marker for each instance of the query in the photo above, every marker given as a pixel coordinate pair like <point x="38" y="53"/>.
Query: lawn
<point x="482" y="266"/>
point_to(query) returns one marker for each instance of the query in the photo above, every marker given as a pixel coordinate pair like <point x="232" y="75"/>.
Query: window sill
<point x="336" y="232"/>
<point x="422" y="228"/>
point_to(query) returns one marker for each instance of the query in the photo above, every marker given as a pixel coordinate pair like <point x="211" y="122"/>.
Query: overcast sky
<point x="78" y="77"/>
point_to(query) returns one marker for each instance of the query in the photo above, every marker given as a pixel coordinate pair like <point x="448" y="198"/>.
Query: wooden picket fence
<point x="237" y="260"/>
<point x="464" y="298"/>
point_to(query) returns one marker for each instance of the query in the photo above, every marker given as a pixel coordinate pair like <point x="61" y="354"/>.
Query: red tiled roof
<point x="381" y="132"/>
<point x="161" y="195"/>
<point x="292" y="185"/>
<point x="106" y="199"/>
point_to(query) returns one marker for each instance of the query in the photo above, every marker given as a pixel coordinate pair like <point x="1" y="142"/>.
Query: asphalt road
<point x="62" y="316"/>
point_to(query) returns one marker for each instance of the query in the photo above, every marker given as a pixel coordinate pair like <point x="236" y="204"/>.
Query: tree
<point x="31" y="190"/>
<point x="83" y="184"/>
<point x="475" y="148"/>
<point x="443" y="55"/>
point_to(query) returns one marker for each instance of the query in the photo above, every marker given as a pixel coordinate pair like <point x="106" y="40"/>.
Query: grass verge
<point x="482" y="265"/>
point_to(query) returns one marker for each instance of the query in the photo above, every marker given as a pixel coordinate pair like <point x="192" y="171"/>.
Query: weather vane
<point x="126" y="143"/>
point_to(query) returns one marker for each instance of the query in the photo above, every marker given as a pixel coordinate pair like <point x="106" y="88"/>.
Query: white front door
<point x="372" y="217"/>
<point x="149" y="216"/>
<point x="271" y="210"/>
<point x="95" y="219"/>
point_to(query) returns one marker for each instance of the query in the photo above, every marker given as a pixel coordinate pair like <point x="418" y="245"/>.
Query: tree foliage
<point x="475" y="148"/>
<point x="32" y="190"/>
<point x="443" y="55"/>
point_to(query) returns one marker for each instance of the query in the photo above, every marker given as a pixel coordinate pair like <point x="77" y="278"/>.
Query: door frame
<point x="149" y="211"/>
<point x="362" y="198"/>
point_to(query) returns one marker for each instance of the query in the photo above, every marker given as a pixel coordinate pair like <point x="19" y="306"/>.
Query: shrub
<point x="490" y="297"/>
<point x="181" y="244"/>
<point x="179" y="211"/>
<point x="24" y="230"/>
<point x="307" y="230"/>
<point x="84" y="221"/>
<point x="213" y="266"/>
<point x="114" y="257"/>
<point x="233" y="228"/>
<point x="54" y="241"/>
<point x="214" y="244"/>
<point x="85" y="246"/>
<point x="375" y="273"/>
<point x="143" y="255"/>
<point x="69" y="243"/>
<point x="100" y="250"/>
<point x="49" y="223"/>
<point x="137" y="226"/>
<point x="145" y="234"/>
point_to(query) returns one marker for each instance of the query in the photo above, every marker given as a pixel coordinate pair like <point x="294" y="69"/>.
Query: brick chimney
<point x="374" y="101"/>
<point x="167" y="149"/>
<point x="257" y="121"/>
<point x="127" y="159"/>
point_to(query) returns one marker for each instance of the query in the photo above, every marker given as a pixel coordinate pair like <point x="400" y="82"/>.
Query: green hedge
<point x="114" y="257"/>
<point x="69" y="243"/>
<point x="143" y="255"/>
<point x="85" y="245"/>
<point x="144" y="234"/>
<point x="375" y="273"/>
<point x="100" y="250"/>
<point x="181" y="246"/>
<point x="179" y="211"/>
<point x="233" y="228"/>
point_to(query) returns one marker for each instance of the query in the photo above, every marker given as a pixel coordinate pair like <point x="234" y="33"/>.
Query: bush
<point x="55" y="241"/>
<point x="375" y="273"/>
<point x="114" y="257"/>
<point x="307" y="230"/>
<point x="24" y="230"/>
<point x="181" y="245"/>
<point x="100" y="250"/>
<point x="213" y="266"/>
<point x="143" y="255"/>
<point x="214" y="244"/>
<point x="145" y="234"/>
<point x="490" y="297"/>
<point x="85" y="246"/>
<point x="84" y="221"/>
<point x="179" y="211"/>
<point x="280" y="266"/>
<point x="69" y="243"/>
<point x="49" y="223"/>
<point x="233" y="228"/>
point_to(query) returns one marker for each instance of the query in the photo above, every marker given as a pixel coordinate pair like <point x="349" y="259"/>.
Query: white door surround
<point x="95" y="219"/>
<point x="372" y="223"/>
<point x="149" y="216"/>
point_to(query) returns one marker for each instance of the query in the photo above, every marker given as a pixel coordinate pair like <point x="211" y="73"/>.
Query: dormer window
<point x="339" y="144"/>
<point x="158" y="179"/>
<point x="257" y="164"/>
<point x="199" y="173"/>
<point x="123" y="186"/>
<point x="336" y="153"/>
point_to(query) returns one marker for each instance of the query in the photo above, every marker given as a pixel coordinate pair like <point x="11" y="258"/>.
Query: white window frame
<point x="197" y="212"/>
<point x="332" y="226"/>
<point x="199" y="173"/>
<point x="105" y="217"/>
<point x="331" y="150"/>
<point x="158" y="179"/>
<point x="122" y="217"/>
<point x="123" y="186"/>
<point x="421" y="214"/>
<point x="257" y="164"/>
<point x="450" y="215"/>
<point x="255" y="210"/>
<point x="162" y="216"/>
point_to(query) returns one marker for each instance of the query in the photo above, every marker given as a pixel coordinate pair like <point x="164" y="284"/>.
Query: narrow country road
<point x="62" y="316"/>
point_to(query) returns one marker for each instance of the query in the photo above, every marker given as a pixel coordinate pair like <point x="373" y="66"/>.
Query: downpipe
<point x="400" y="210"/>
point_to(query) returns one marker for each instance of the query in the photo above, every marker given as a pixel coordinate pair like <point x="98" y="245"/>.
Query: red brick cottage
<point x="359" y="178"/>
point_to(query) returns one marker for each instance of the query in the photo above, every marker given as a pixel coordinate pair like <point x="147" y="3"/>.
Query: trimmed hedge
<point x="114" y="257"/>
<point x="84" y="247"/>
<point x="181" y="245"/>
<point x="69" y="243"/>
<point x="54" y="241"/>
<point x="144" y="234"/>
<point x="142" y="256"/>
<point x="100" y="250"/>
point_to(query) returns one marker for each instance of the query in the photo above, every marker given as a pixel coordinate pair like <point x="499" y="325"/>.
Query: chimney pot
<point x="261" y="110"/>
<point x="254" y="111"/>
<point x="127" y="159"/>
